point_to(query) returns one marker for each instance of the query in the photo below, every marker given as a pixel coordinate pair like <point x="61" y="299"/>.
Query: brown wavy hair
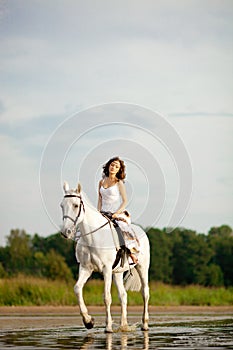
<point x="121" y="173"/>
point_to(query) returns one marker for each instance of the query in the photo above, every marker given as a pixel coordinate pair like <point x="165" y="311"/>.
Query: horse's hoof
<point x="108" y="331"/>
<point x="89" y="324"/>
<point x="145" y="328"/>
<point x="124" y="328"/>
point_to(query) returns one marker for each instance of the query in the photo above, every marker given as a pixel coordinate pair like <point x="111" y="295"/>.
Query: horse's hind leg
<point x="118" y="278"/>
<point x="84" y="274"/>
<point x="107" y="272"/>
<point x="143" y="273"/>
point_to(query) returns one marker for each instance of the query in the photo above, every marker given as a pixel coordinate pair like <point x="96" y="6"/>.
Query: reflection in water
<point x="119" y="341"/>
<point x="191" y="335"/>
<point x="89" y="340"/>
<point x="74" y="339"/>
<point x="126" y="341"/>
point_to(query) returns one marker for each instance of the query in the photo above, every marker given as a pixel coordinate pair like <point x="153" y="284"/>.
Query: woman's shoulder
<point x="120" y="183"/>
<point x="101" y="183"/>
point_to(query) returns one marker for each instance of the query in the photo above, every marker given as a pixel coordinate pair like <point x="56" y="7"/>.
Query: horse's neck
<point x="92" y="218"/>
<point x="96" y="231"/>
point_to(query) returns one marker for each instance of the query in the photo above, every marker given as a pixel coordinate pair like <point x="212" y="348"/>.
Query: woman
<point x="112" y="198"/>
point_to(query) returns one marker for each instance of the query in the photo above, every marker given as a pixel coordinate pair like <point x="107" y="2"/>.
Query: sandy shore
<point x="71" y="310"/>
<point x="18" y="318"/>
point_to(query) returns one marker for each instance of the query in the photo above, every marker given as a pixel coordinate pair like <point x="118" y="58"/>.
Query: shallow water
<point x="166" y="332"/>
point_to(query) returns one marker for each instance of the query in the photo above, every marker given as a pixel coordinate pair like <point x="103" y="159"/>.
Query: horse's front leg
<point x="84" y="274"/>
<point x="118" y="278"/>
<point x="107" y="272"/>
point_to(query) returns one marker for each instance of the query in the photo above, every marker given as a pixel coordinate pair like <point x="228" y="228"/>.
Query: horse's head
<point x="72" y="210"/>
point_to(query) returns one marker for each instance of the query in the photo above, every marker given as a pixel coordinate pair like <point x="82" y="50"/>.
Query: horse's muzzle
<point x="63" y="234"/>
<point x="67" y="233"/>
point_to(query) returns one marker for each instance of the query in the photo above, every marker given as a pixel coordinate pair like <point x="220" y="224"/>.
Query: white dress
<point x="111" y="200"/>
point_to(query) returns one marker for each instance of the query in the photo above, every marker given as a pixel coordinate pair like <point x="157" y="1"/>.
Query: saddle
<point x="123" y="252"/>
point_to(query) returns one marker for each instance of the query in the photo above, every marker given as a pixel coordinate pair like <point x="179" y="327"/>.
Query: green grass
<point x="190" y="295"/>
<point x="24" y="290"/>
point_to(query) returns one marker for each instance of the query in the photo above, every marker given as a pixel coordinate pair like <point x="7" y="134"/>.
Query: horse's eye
<point x="75" y="205"/>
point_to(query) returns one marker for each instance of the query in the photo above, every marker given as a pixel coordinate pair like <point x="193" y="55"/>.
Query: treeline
<point x="51" y="257"/>
<point x="185" y="257"/>
<point x="181" y="257"/>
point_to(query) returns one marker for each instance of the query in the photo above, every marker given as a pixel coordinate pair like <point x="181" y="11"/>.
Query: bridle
<point x="81" y="206"/>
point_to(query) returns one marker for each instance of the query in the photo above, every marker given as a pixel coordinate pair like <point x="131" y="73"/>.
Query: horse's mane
<point x="87" y="201"/>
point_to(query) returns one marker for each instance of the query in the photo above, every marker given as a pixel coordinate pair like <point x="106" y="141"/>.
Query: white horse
<point x="96" y="251"/>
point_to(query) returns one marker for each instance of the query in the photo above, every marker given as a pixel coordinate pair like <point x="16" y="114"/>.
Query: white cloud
<point x="209" y="142"/>
<point x="21" y="205"/>
<point x="172" y="56"/>
<point x="154" y="60"/>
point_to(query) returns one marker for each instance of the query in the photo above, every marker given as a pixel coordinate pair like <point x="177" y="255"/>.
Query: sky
<point x="150" y="81"/>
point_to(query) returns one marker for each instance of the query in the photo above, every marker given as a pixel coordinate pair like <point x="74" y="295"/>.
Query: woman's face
<point x="114" y="167"/>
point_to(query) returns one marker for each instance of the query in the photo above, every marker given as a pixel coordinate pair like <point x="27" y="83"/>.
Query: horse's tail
<point x="132" y="280"/>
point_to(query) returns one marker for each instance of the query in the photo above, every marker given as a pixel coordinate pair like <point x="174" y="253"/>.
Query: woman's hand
<point x="115" y="215"/>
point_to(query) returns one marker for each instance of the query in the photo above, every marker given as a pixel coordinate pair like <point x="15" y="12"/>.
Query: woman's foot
<point x="134" y="258"/>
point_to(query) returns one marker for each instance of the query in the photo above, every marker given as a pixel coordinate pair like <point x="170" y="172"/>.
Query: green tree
<point x="191" y="255"/>
<point x="4" y="258"/>
<point x="55" y="266"/>
<point x="161" y="253"/>
<point x="62" y="246"/>
<point x="214" y="275"/>
<point x="2" y="271"/>
<point x="220" y="240"/>
<point x="20" y="251"/>
<point x="39" y="264"/>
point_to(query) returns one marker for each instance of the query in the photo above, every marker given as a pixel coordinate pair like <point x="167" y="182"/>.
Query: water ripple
<point x="215" y="334"/>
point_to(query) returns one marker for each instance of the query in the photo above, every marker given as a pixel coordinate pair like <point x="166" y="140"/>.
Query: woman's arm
<point x="123" y="197"/>
<point x="99" y="206"/>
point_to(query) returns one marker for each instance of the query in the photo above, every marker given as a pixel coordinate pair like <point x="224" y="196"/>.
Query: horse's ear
<point x="66" y="187"/>
<point x="78" y="189"/>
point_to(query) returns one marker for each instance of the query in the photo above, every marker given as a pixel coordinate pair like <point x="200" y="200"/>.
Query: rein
<point x="97" y="229"/>
<point x="79" y="212"/>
